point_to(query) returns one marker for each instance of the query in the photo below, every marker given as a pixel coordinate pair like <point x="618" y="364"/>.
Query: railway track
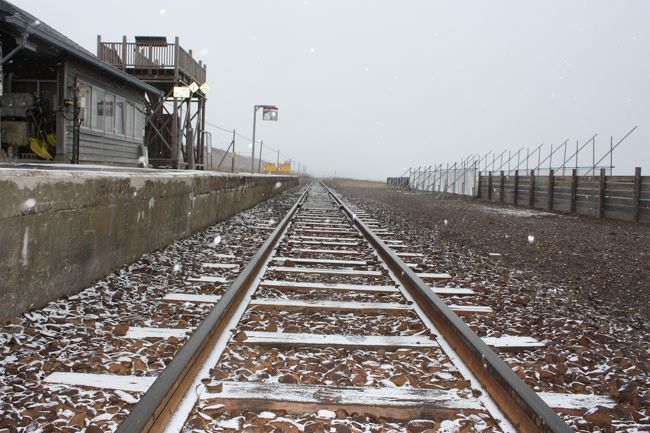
<point x="335" y="324"/>
<point x="328" y="327"/>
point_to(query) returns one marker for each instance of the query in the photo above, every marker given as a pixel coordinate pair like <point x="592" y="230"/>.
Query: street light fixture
<point x="269" y="112"/>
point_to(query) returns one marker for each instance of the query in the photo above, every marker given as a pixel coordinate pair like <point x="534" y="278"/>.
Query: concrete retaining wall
<point x="61" y="230"/>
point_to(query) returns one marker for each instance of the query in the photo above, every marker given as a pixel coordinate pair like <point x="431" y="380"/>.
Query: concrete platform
<point x="63" y="227"/>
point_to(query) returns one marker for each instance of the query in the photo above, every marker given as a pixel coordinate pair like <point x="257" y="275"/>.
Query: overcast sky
<point x="369" y="88"/>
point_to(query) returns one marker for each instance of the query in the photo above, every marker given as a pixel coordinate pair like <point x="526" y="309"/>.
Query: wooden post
<point x="177" y="53"/>
<point x="531" y="190"/>
<point x="478" y="186"/>
<point x="489" y="186"/>
<point x="515" y="188"/>
<point x="637" y="194"/>
<point x="124" y="53"/>
<point x="601" y="194"/>
<point x="501" y="187"/>
<point x="175" y="141"/>
<point x="551" y="180"/>
<point x="574" y="189"/>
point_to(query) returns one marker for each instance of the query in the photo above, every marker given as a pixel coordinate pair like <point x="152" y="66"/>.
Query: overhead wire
<point x="261" y="142"/>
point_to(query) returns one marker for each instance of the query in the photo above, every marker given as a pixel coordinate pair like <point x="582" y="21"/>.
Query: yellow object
<point x="40" y="148"/>
<point x="269" y="167"/>
<point x="51" y="139"/>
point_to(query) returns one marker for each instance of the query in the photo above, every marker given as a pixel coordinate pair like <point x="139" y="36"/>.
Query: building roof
<point x="23" y="21"/>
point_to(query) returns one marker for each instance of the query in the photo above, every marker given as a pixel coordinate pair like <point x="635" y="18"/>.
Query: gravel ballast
<point x="578" y="284"/>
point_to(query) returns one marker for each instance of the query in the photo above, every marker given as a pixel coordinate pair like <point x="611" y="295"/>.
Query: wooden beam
<point x="502" y="182"/>
<point x="370" y="342"/>
<point x="636" y="200"/>
<point x="551" y="180"/>
<point x="601" y="194"/>
<point x="515" y="192"/>
<point x="575" y="404"/>
<point x="466" y="310"/>
<point x="328" y="243"/>
<point x="321" y="271"/>
<point x="295" y="285"/>
<point x="489" y="191"/>
<point x="324" y="251"/>
<point x="434" y="276"/>
<point x="102" y="381"/>
<point x="531" y="190"/>
<point x="343" y="306"/>
<point x="512" y="343"/>
<point x="140" y="333"/>
<point x="189" y="297"/>
<point x="506" y="343"/>
<point x="220" y="265"/>
<point x="398" y="403"/>
<point x="574" y="190"/>
<point x="323" y="230"/>
<point x="453" y="291"/>
<point x="327" y="238"/>
<point x="346" y="306"/>
<point x="207" y="279"/>
<point x="321" y="261"/>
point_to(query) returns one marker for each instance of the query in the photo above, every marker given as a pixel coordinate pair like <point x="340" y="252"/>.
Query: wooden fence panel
<point x="619" y="198"/>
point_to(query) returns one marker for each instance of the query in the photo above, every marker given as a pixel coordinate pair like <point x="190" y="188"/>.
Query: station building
<point x="61" y="103"/>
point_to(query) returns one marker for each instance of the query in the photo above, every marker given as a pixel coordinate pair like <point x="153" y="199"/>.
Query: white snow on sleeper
<point x="368" y="341"/>
<point x="207" y="279"/>
<point x="102" y="381"/>
<point x="189" y="297"/>
<point x="139" y="333"/>
<point x="220" y="265"/>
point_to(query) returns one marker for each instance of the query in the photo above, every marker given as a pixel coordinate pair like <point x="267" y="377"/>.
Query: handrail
<point x="151" y="56"/>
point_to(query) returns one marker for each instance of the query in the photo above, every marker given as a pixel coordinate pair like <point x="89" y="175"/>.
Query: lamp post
<point x="269" y="112"/>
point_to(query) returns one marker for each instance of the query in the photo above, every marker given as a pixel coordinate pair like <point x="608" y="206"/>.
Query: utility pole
<point x="234" y="155"/>
<point x="277" y="165"/>
<point x="259" y="164"/>
<point x="255" y="108"/>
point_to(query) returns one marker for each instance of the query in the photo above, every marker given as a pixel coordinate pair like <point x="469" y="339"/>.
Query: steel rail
<point x="524" y="408"/>
<point x="157" y="405"/>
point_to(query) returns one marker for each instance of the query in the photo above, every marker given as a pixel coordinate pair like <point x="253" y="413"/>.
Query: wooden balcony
<point x="152" y="59"/>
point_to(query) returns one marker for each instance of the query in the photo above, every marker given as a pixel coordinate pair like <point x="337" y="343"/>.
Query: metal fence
<point x="561" y="160"/>
<point x="455" y="180"/>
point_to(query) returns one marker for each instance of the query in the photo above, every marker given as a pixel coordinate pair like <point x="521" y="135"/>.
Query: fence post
<point x="574" y="189"/>
<point x="489" y="186"/>
<point x="515" y="188"/>
<point x="435" y="172"/>
<point x="124" y="51"/>
<point x="637" y="194"/>
<point x="501" y="187"/>
<point x="601" y="194"/>
<point x="478" y="186"/>
<point x="551" y="181"/>
<point x="531" y="190"/>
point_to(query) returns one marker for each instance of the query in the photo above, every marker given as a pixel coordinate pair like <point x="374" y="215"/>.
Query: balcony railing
<point x="154" y="56"/>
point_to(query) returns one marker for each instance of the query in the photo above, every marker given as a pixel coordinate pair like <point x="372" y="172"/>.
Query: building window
<point x="85" y="104"/>
<point x="97" y="115"/>
<point x="109" y="113"/>
<point x="139" y="121"/>
<point x="129" y="119"/>
<point x="119" y="115"/>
